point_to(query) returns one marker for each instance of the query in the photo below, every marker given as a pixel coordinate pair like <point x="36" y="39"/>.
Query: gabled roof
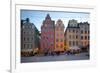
<point x="48" y="17"/>
<point x="59" y="23"/>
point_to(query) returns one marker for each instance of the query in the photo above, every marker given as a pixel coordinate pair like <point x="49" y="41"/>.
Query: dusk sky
<point x="37" y="17"/>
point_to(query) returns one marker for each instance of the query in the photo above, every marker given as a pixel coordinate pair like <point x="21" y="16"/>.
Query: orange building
<point x="59" y="36"/>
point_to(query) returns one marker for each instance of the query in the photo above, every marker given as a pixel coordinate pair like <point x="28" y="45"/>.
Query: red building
<point x="48" y="35"/>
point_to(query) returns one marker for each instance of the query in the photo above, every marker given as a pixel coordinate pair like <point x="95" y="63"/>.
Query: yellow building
<point x="72" y="34"/>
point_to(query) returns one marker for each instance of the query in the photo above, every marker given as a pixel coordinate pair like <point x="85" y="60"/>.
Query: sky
<point x="36" y="17"/>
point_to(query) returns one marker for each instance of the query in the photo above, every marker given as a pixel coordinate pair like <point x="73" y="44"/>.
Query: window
<point x="76" y="36"/>
<point x="73" y="31"/>
<point x="81" y="37"/>
<point x="32" y="32"/>
<point x="23" y="32"/>
<point x="73" y="43"/>
<point x="70" y="43"/>
<point x="81" y="31"/>
<point x="51" y="45"/>
<point x="32" y="38"/>
<point x="85" y="37"/>
<point x="57" y="40"/>
<point x="61" y="40"/>
<point x="27" y="39"/>
<point x="85" y="31"/>
<point x="88" y="37"/>
<point x="88" y="31"/>
<point x="76" y="31"/>
<point x="24" y="38"/>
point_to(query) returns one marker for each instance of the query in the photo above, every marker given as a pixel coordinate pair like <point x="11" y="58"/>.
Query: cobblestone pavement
<point x="81" y="56"/>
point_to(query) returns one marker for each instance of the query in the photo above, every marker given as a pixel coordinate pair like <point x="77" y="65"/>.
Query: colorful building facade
<point x="72" y="34"/>
<point x="77" y="34"/>
<point x="48" y="34"/>
<point x="59" y="36"/>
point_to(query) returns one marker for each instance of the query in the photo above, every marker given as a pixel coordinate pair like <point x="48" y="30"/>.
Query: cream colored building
<point x="72" y="34"/>
<point x="77" y="34"/>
